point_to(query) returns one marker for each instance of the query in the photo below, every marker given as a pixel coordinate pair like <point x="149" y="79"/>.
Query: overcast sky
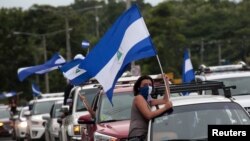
<point x="25" y="4"/>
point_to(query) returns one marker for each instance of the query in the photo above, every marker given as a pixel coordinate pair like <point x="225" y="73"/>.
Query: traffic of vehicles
<point x="215" y="100"/>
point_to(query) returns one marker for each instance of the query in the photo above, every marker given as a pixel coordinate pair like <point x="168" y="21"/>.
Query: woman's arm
<point x="144" y="108"/>
<point x="86" y="104"/>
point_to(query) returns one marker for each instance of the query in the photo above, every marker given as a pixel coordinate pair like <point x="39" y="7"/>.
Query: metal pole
<point x="45" y="59"/>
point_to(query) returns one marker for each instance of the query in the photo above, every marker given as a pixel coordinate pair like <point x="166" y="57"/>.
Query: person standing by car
<point x="140" y="111"/>
<point x="13" y="106"/>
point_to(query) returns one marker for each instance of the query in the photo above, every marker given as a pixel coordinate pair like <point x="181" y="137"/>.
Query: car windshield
<point x="42" y="107"/>
<point x="4" y="114"/>
<point x="89" y="94"/>
<point x="190" y="122"/>
<point x="121" y="109"/>
<point x="57" y="111"/>
<point x="242" y="85"/>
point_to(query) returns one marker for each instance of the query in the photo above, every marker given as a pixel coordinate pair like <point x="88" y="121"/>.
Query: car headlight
<point x="77" y="129"/>
<point x="23" y="124"/>
<point x="1" y="124"/>
<point x="102" y="137"/>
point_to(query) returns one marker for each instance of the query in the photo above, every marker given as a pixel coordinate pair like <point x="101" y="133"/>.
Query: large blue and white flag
<point x="8" y="94"/>
<point x="48" y="66"/>
<point x="35" y="90"/>
<point x="188" y="72"/>
<point x="72" y="72"/>
<point x="126" y="41"/>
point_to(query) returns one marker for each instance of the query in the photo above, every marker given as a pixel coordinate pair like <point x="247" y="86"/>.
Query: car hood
<point x="243" y="100"/>
<point x="118" y="129"/>
<point x="4" y="120"/>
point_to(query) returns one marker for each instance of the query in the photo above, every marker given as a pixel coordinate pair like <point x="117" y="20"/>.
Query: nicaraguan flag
<point x="7" y="95"/>
<point x="126" y="41"/>
<point x="188" y="72"/>
<point x="85" y="44"/>
<point x="72" y="72"/>
<point x="48" y="66"/>
<point x="35" y="90"/>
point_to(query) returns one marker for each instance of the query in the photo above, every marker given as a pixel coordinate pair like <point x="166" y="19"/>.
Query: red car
<point x="110" y="122"/>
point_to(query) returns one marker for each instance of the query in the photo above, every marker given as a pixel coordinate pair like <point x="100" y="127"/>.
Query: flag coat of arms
<point x="126" y="41"/>
<point x="72" y="72"/>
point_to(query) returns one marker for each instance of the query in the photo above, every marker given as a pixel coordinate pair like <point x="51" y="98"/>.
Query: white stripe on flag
<point x="46" y="70"/>
<point x="188" y="65"/>
<point x="130" y="39"/>
<point x="74" y="72"/>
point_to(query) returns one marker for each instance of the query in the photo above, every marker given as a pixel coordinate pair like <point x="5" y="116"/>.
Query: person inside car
<point x="141" y="112"/>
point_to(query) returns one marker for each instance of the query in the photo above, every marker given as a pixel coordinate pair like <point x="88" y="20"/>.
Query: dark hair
<point x="138" y="83"/>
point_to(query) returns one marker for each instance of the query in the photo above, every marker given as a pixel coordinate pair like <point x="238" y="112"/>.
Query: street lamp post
<point x="43" y="38"/>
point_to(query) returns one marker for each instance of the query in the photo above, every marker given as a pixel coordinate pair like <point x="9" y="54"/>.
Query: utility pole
<point x="68" y="48"/>
<point x="43" y="38"/>
<point x="202" y="50"/>
<point x="219" y="52"/>
<point x="133" y="68"/>
<point x="45" y="59"/>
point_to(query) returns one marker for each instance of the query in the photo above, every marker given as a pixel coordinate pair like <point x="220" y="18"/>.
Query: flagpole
<point x="163" y="77"/>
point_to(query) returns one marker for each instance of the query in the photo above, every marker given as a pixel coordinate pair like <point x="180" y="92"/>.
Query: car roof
<point x="197" y="99"/>
<point x="48" y="99"/>
<point x="123" y="89"/>
<point x="50" y="95"/>
<point x="228" y="74"/>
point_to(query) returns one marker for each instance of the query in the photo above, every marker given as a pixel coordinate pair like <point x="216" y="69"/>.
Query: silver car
<point x="36" y="124"/>
<point x="191" y="116"/>
<point x="52" y="126"/>
<point x="21" y="124"/>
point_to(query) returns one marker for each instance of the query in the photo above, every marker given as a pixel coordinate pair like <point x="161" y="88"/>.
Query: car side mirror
<point x="86" y="119"/>
<point x="27" y="113"/>
<point x="59" y="120"/>
<point x="46" y="117"/>
<point x="65" y="108"/>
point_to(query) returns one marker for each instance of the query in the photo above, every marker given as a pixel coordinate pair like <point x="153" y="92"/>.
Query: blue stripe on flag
<point x="126" y="41"/>
<point x="7" y="95"/>
<point x="35" y="90"/>
<point x="48" y="66"/>
<point x="188" y="72"/>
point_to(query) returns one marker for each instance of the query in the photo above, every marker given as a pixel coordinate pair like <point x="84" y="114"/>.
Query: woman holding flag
<point x="141" y="107"/>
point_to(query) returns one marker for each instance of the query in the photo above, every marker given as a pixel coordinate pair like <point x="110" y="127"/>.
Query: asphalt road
<point x="6" y="139"/>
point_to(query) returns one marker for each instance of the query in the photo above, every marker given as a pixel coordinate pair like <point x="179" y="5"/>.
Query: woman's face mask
<point x="145" y="91"/>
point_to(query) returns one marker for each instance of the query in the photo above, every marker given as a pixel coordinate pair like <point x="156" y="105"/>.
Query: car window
<point x="4" y="113"/>
<point x="191" y="121"/>
<point x="57" y="111"/>
<point x="89" y="94"/>
<point x="242" y="85"/>
<point x="42" y="107"/>
<point x="121" y="109"/>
